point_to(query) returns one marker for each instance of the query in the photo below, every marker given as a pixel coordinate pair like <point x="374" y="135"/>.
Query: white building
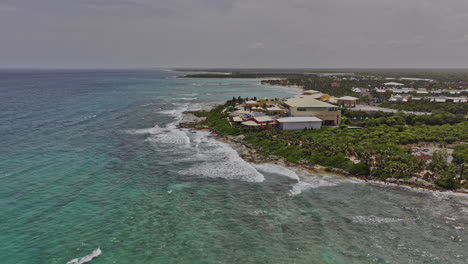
<point x="393" y="84"/>
<point x="307" y="106"/>
<point x="298" y="123"/>
<point x="399" y="98"/>
<point x="416" y="79"/>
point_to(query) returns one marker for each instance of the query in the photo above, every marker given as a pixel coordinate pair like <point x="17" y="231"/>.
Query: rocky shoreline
<point x="252" y="154"/>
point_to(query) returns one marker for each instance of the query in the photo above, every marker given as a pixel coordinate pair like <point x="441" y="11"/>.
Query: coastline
<point x="253" y="155"/>
<point x="296" y="88"/>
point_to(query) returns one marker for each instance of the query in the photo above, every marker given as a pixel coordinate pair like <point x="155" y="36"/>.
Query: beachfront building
<point x="257" y="121"/>
<point x="298" y="123"/>
<point x="307" y="106"/>
<point x="347" y="101"/>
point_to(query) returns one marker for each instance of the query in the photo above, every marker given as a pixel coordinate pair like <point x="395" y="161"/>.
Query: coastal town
<point x="404" y="130"/>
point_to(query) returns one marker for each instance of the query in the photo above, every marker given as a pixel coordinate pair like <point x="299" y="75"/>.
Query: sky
<point x="233" y="33"/>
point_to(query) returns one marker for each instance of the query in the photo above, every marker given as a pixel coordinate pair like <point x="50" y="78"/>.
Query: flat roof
<point x="251" y="102"/>
<point x="275" y="108"/>
<point x="299" y="119"/>
<point x="307" y="101"/>
<point x="250" y="123"/>
<point x="347" y="98"/>
<point x="237" y="119"/>
<point x="311" y="92"/>
<point x="393" y="83"/>
<point x="263" y="118"/>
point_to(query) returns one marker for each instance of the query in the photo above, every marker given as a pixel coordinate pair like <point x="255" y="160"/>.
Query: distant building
<point x="457" y="99"/>
<point x="307" y="106"/>
<point x="416" y="79"/>
<point x="399" y="98"/>
<point x="311" y="92"/>
<point x="298" y="123"/>
<point x="347" y="101"/>
<point x="439" y="100"/>
<point x="393" y="84"/>
<point x="422" y="91"/>
<point x="381" y="90"/>
<point x="335" y="84"/>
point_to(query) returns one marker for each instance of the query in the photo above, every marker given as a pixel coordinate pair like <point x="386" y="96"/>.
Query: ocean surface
<point x="93" y="160"/>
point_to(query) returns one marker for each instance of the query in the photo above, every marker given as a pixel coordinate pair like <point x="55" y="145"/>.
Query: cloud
<point x="256" y="45"/>
<point x="212" y="33"/>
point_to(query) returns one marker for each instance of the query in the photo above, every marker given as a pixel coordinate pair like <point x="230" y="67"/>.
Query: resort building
<point x="347" y="101"/>
<point x="298" y="123"/>
<point x="250" y="120"/>
<point x="307" y="106"/>
<point x="275" y="110"/>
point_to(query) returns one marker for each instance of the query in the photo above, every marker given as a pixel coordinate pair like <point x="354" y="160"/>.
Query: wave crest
<point x="86" y="258"/>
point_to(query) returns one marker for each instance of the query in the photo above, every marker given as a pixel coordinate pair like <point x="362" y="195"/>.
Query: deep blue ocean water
<point x="93" y="159"/>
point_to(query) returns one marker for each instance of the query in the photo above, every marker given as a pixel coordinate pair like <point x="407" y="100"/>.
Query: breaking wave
<point x="86" y="258"/>
<point x="187" y="98"/>
<point x="277" y="169"/>
<point x="169" y="134"/>
<point x="310" y="183"/>
<point x="374" y="220"/>
<point x="216" y="159"/>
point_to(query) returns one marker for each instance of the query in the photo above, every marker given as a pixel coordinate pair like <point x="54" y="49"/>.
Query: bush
<point x="360" y="169"/>
<point x="450" y="183"/>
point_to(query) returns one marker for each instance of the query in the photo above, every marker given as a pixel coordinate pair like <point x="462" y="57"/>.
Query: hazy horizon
<point x="128" y="34"/>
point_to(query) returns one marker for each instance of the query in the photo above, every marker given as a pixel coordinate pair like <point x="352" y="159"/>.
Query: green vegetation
<point x="369" y="119"/>
<point x="442" y="75"/>
<point x="322" y="84"/>
<point x="375" y="151"/>
<point x="427" y="106"/>
<point x="377" y="148"/>
<point x="216" y="119"/>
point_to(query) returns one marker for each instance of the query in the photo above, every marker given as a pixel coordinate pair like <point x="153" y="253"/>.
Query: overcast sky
<point x="233" y="33"/>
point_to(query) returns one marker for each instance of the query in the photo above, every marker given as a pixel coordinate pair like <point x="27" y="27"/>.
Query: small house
<point x="298" y="123"/>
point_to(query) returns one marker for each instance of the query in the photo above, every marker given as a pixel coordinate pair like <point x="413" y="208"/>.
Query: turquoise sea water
<point x="92" y="159"/>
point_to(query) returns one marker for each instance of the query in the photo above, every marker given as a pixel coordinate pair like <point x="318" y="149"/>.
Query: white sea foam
<point x="187" y="98"/>
<point x="86" y="258"/>
<point x="374" y="220"/>
<point x="276" y="169"/>
<point x="260" y="212"/>
<point x="310" y="183"/>
<point x="170" y="134"/>
<point x="145" y="131"/>
<point x="216" y="159"/>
